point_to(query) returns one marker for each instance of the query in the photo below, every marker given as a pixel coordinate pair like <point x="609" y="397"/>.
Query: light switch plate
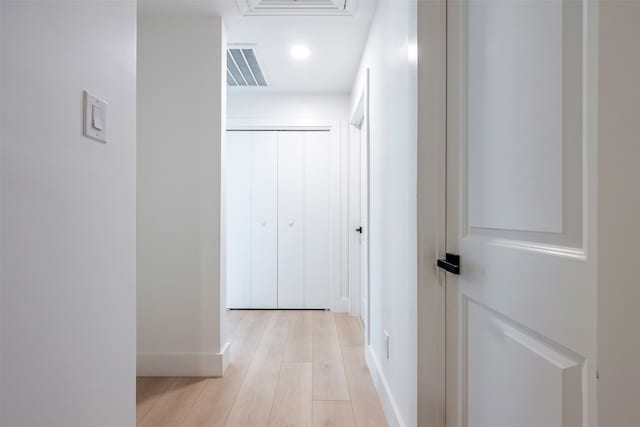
<point x="95" y="117"/>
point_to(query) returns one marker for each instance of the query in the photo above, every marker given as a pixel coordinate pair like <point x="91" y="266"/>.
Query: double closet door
<point x="278" y="245"/>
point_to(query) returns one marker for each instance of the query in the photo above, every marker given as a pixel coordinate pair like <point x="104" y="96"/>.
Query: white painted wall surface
<point x="68" y="215"/>
<point x="248" y="104"/>
<point x="389" y="55"/>
<point x="181" y="103"/>
<point x="619" y="210"/>
<point x="1" y="281"/>
<point x="307" y="109"/>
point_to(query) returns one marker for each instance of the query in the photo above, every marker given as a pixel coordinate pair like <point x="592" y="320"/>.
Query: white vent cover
<point x="243" y="68"/>
<point x="297" y="7"/>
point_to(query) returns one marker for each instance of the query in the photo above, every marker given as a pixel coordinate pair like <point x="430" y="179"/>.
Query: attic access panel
<point x="297" y="7"/>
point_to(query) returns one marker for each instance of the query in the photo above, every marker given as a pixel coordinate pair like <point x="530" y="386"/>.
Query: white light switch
<point x="95" y="118"/>
<point x="96" y="112"/>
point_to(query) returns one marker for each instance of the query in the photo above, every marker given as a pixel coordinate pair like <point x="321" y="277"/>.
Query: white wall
<point x="618" y="213"/>
<point x="248" y="104"/>
<point x="300" y="109"/>
<point x="68" y="215"/>
<point x="180" y="140"/>
<point x="1" y="280"/>
<point x="393" y="246"/>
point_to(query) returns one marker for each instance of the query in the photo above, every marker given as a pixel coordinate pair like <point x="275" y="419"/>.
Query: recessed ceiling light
<point x="300" y="52"/>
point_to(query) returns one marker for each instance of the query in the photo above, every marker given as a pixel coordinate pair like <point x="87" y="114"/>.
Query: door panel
<point x="238" y="219"/>
<point x="521" y="316"/>
<point x="290" y="219"/>
<point x="524" y="100"/>
<point x="264" y="227"/>
<point x="317" y="263"/>
<point x="532" y="382"/>
<point x="515" y="121"/>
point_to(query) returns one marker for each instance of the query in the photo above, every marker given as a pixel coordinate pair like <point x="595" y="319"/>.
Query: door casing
<point x="359" y="291"/>
<point x="431" y="203"/>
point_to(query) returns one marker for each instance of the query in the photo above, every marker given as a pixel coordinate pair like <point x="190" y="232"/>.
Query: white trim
<point x="225" y="357"/>
<point x="338" y="8"/>
<point x="355" y="289"/>
<point x="366" y="124"/>
<point x="354" y="280"/>
<point x="359" y="119"/>
<point x="357" y="116"/>
<point x="431" y="202"/>
<point x="299" y="124"/>
<point x="387" y="400"/>
<point x="183" y="364"/>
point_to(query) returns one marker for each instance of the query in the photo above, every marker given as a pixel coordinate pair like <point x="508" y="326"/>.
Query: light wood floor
<point x="288" y="368"/>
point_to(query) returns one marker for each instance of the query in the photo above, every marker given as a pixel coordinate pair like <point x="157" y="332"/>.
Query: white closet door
<point x="317" y="263"/>
<point x="264" y="227"/>
<point x="290" y="219"/>
<point x="238" y="219"/>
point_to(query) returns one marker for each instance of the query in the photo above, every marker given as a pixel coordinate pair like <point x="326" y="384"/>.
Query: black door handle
<point x="451" y="263"/>
<point x="360" y="230"/>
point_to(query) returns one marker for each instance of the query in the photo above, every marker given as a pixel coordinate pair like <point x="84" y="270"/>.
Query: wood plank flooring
<point x="287" y="368"/>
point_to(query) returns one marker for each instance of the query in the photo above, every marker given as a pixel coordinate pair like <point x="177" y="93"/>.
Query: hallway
<point x="287" y="368"/>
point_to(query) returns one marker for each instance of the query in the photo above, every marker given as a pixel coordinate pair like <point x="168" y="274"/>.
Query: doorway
<point x="519" y="342"/>
<point x="359" y="210"/>
<point x="278" y="219"/>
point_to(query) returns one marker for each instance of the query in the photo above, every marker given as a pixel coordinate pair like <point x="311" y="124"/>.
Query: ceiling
<point x="336" y="42"/>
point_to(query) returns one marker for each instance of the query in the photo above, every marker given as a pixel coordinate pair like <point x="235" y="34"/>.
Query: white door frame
<point x="354" y="219"/>
<point x="339" y="301"/>
<point x="431" y="225"/>
<point x="360" y="126"/>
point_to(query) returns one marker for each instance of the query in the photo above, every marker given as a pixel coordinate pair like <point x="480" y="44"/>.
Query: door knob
<point x="360" y="230"/>
<point x="291" y="223"/>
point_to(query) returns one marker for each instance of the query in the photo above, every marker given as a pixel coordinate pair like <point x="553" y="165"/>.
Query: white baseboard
<point x="389" y="404"/>
<point x="183" y="364"/>
<point x="224" y="355"/>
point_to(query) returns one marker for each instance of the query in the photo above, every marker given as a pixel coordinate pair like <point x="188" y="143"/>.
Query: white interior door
<point x="521" y="317"/>
<point x="317" y="261"/>
<point x="290" y="219"/>
<point x="238" y="219"/>
<point x="364" y="223"/>
<point x="264" y="221"/>
<point x="279" y="234"/>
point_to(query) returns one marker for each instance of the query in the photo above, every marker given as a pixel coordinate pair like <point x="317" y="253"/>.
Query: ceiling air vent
<point x="297" y="7"/>
<point x="243" y="68"/>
